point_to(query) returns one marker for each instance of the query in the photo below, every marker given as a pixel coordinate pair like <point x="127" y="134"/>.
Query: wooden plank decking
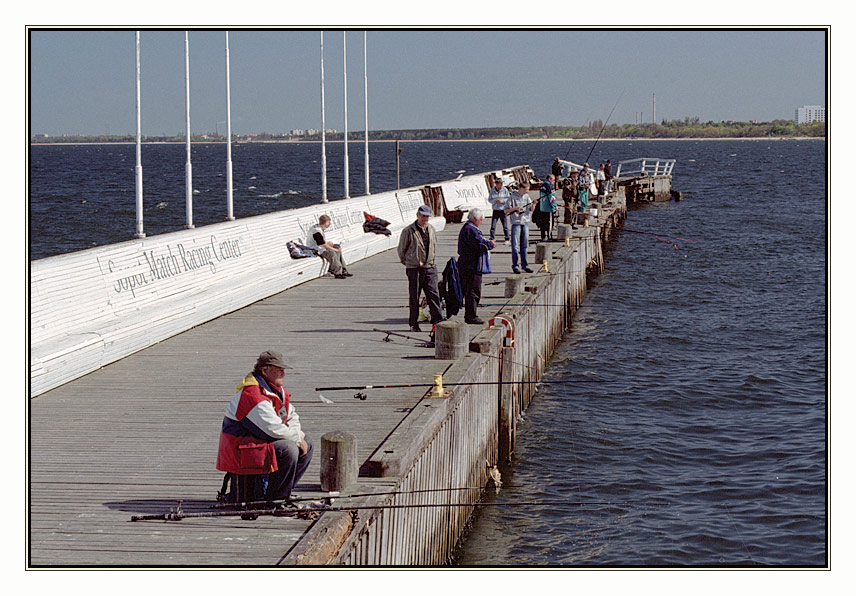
<point x="138" y="435"/>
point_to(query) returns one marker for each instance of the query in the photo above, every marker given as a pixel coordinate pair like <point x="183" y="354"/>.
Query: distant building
<point x="808" y="114"/>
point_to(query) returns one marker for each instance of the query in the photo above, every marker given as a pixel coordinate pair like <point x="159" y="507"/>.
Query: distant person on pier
<point x="261" y="432"/>
<point x="600" y="180"/>
<point x="607" y="170"/>
<point x="568" y="198"/>
<point x="332" y="253"/>
<point x="547" y="207"/>
<point x="498" y="198"/>
<point x="557" y="169"/>
<point x="473" y="249"/>
<point x="584" y="183"/>
<point x="519" y="208"/>
<point x="417" y="249"/>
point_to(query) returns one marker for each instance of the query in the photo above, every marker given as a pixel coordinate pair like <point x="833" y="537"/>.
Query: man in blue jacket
<point x="472" y="247"/>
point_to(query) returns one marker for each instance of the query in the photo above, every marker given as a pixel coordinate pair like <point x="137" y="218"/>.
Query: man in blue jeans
<point x="519" y="208"/>
<point x="498" y="198"/>
<point x="472" y="246"/>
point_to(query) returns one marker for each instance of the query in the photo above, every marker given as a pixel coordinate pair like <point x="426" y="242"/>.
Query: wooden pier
<point x="139" y="435"/>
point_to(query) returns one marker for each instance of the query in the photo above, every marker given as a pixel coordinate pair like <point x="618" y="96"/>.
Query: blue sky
<point x="83" y="81"/>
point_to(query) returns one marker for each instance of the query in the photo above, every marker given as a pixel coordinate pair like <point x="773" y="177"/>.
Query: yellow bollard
<point x="567" y="241"/>
<point x="546" y="268"/>
<point x="438" y="385"/>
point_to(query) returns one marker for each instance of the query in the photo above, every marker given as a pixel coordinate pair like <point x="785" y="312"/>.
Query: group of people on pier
<point x="261" y="433"/>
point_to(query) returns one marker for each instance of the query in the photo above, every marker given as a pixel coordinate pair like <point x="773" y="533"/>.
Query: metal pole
<point x="138" y="169"/>
<point x="188" y="170"/>
<point x="366" y="96"/>
<point x="229" y="213"/>
<point x="323" y="131"/>
<point x="345" y="70"/>
<point x="397" y="178"/>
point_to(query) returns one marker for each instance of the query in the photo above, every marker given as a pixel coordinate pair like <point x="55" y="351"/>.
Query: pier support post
<point x="507" y="417"/>
<point x="339" y="467"/>
<point x="513" y="285"/>
<point x="451" y="340"/>
<point x="564" y="231"/>
<point x="544" y="253"/>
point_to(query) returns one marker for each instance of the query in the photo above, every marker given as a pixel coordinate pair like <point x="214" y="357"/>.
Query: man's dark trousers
<point x="423" y="279"/>
<point x="471" y="283"/>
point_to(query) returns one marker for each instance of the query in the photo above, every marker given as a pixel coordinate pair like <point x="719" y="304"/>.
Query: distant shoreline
<point x="503" y="140"/>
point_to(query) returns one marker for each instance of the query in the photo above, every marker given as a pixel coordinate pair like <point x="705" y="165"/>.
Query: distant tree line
<point x="688" y="128"/>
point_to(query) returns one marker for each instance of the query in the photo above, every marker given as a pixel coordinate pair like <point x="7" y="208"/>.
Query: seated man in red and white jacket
<point x="261" y="431"/>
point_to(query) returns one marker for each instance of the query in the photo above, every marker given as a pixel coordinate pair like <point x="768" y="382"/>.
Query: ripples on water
<point x="708" y="433"/>
<point x="706" y="442"/>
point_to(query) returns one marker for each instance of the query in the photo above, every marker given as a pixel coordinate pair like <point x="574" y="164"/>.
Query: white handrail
<point x="647" y="166"/>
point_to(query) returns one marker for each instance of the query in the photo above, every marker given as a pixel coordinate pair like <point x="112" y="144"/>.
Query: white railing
<point x="645" y="166"/>
<point x="569" y="166"/>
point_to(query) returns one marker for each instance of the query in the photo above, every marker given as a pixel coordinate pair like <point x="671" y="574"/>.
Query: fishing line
<point x="738" y="533"/>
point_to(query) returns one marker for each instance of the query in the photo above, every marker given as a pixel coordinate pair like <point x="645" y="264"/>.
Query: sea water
<point x="704" y="443"/>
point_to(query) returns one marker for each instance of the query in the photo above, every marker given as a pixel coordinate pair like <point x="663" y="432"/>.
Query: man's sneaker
<point x="527" y="270"/>
<point x="476" y="321"/>
<point x="507" y="242"/>
<point x="340" y="276"/>
<point x="515" y="270"/>
<point x="346" y="273"/>
<point x="416" y="328"/>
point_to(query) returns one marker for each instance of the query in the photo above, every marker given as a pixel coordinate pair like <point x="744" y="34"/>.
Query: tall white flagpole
<point x="345" y="70"/>
<point x="366" y="96"/>
<point x="188" y="171"/>
<point x="138" y="169"/>
<point x="229" y="212"/>
<point x="323" y="131"/>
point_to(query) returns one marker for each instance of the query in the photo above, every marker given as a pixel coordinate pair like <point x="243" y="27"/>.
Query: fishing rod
<point x="482" y="354"/>
<point x="408" y="385"/>
<point x="178" y="514"/>
<point x="574" y="140"/>
<point x="534" y="276"/>
<point x="604" y="127"/>
<point x="336" y="496"/>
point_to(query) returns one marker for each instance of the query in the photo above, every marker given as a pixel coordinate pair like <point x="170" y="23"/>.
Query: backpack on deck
<point x="242" y="488"/>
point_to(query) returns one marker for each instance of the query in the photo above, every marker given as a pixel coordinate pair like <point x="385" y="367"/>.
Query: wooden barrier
<point x="93" y="307"/>
<point x="96" y="306"/>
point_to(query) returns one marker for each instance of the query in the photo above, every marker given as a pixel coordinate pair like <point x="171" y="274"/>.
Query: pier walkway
<point x="138" y="435"/>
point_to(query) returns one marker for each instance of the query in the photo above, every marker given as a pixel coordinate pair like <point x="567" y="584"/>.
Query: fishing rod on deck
<point x="313" y="511"/>
<point x="335" y="496"/>
<point x="408" y="385"/>
<point x="480" y="353"/>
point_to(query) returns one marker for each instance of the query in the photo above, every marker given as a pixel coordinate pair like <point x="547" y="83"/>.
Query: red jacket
<point x="258" y="415"/>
